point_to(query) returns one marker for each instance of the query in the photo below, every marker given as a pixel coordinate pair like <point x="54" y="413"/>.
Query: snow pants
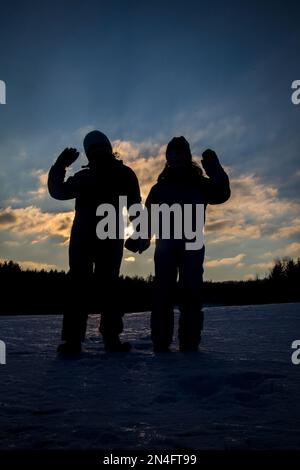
<point x="171" y="258"/>
<point x="92" y="285"/>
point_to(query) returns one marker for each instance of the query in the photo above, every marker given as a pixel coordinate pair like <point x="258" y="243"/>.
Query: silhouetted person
<point x="103" y="180"/>
<point x="182" y="182"/>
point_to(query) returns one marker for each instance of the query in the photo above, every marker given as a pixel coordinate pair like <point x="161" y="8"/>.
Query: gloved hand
<point x="137" y="245"/>
<point x="210" y="162"/>
<point x="67" y="157"/>
<point x="143" y="245"/>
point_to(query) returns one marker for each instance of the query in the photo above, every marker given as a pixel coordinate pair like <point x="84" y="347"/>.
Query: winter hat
<point x="178" y="152"/>
<point x="96" y="138"/>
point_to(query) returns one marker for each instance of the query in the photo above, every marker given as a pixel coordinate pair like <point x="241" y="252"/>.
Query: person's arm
<point x="151" y="199"/>
<point x="137" y="245"/>
<point x="133" y="191"/>
<point x="217" y="187"/>
<point x="57" y="186"/>
<point x="145" y="242"/>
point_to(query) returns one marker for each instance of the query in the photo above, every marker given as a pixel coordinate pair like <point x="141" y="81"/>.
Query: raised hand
<point x="210" y="161"/>
<point x="67" y="157"/>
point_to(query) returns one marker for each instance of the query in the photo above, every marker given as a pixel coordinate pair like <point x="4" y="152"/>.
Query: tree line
<point x="33" y="291"/>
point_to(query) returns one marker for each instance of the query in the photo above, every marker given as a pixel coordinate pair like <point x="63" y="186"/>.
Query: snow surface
<point x="240" y="392"/>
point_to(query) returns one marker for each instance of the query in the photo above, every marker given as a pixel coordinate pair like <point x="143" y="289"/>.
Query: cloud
<point x="41" y="190"/>
<point x="80" y="133"/>
<point x="292" y="249"/>
<point x="147" y="159"/>
<point x="263" y="265"/>
<point x="215" y="226"/>
<point x="235" y="260"/>
<point x="7" y="218"/>
<point x="287" y="230"/>
<point x="32" y="222"/>
<point x="131" y="151"/>
<point x="254" y="211"/>
<point x="129" y="259"/>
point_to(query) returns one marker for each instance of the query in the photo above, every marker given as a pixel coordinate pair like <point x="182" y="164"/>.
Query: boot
<point x="115" y="345"/>
<point x="188" y="348"/>
<point x="159" y="348"/>
<point x="69" y="349"/>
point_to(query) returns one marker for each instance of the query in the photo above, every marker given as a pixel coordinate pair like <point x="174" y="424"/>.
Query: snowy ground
<point x="240" y="392"/>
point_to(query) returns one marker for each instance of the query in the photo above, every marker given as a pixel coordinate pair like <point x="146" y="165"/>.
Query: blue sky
<point x="218" y="72"/>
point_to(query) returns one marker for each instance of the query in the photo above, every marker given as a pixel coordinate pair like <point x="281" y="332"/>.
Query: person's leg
<point x="190" y="299"/>
<point x="78" y="295"/>
<point x="107" y="268"/>
<point x="162" y="315"/>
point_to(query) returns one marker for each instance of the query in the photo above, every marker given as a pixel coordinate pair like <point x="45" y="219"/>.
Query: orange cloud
<point x="235" y="260"/>
<point x="31" y="221"/>
<point x="253" y="211"/>
<point x="41" y="191"/>
<point x="146" y="159"/>
<point x="263" y="265"/>
<point x="129" y="259"/>
<point x="287" y="231"/>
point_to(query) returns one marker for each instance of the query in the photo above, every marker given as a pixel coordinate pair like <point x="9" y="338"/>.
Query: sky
<point x="217" y="72"/>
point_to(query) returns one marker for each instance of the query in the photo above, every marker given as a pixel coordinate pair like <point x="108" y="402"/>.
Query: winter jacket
<point x="187" y="185"/>
<point x="91" y="187"/>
